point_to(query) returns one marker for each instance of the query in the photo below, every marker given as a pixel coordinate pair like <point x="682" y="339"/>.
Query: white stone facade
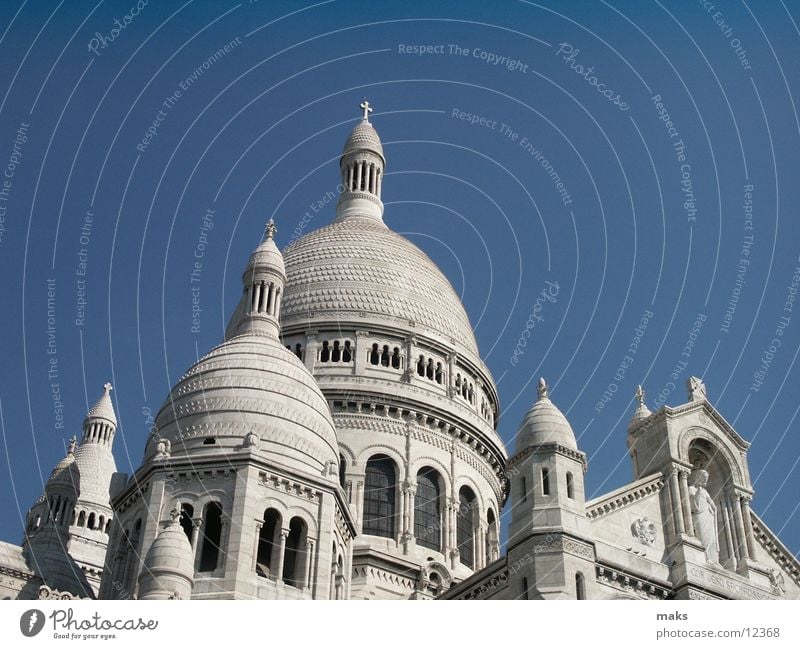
<point x="341" y="443"/>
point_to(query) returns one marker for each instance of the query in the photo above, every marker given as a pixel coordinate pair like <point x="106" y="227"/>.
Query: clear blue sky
<point x="142" y="128"/>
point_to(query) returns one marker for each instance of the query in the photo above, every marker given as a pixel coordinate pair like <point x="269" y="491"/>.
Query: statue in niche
<point x="704" y="515"/>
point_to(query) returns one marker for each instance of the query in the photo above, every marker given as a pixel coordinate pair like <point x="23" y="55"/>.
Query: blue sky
<point x="629" y="189"/>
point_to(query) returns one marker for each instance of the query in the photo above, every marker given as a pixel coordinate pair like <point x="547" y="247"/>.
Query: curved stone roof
<point x="250" y="383"/>
<point x="545" y="424"/>
<point x="359" y="269"/>
<point x="103" y="408"/>
<point x="96" y="467"/>
<point x="363" y="136"/>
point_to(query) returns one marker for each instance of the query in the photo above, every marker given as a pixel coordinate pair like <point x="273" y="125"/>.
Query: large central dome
<point x="357" y="269"/>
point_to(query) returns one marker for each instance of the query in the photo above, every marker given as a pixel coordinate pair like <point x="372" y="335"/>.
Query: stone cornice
<point x="552" y="447"/>
<point x="777" y="550"/>
<point x="627" y="582"/>
<point x="624" y="496"/>
<point x="667" y="412"/>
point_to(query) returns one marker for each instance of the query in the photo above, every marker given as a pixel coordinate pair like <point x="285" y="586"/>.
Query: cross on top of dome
<point x="270" y="229"/>
<point x="364" y="105"/>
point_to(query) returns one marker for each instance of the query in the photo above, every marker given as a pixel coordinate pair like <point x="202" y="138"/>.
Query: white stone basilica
<point x="341" y="443"/>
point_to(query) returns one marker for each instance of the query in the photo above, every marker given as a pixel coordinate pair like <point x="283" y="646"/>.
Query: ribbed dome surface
<point x="171" y="552"/>
<point x="96" y="467"/>
<point x="267" y="254"/>
<point x="251" y="383"/>
<point x="363" y="136"/>
<point x="64" y="472"/>
<point x="359" y="269"/>
<point x="103" y="409"/>
<point x="545" y="424"/>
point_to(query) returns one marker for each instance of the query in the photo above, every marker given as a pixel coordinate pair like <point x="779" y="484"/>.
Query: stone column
<point x="481" y="558"/>
<point x="361" y="351"/>
<point x="738" y="518"/>
<point x="687" y="507"/>
<point x="310" y="356"/>
<point x="380" y="180"/>
<point x="675" y="498"/>
<point x="451" y="372"/>
<point x="729" y="540"/>
<point x="411" y="365"/>
<point x="748" y="527"/>
<point x="359" y="171"/>
<point x="259" y="524"/>
<point x="281" y="553"/>
<point x="309" y="555"/>
<point x="196" y="523"/>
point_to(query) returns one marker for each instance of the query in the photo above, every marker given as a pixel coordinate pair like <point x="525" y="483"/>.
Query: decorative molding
<point x="631" y="584"/>
<point x="776" y="550"/>
<point x="625" y="496"/>
<point x="287" y="486"/>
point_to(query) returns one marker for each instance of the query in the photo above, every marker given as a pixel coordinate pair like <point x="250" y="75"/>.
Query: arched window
<point x="347" y="353"/>
<point x="325" y="354"/>
<point x="298" y="351"/>
<point x="187" y="511"/>
<point x="268" y="544"/>
<point x="374" y="355"/>
<point x="465" y="526"/>
<point x="396" y="358"/>
<point x="336" y="354"/>
<point x="570" y="487"/>
<point x="81" y="519"/>
<point x="439" y="374"/>
<point x="385" y="356"/>
<point x="379" y="496"/>
<point x="90" y="522"/>
<point x="580" y="586"/>
<point x="427" y="510"/>
<point x="294" y="559"/>
<point x="491" y="535"/>
<point x="421" y="366"/>
<point x="545" y="482"/>
<point x="212" y="537"/>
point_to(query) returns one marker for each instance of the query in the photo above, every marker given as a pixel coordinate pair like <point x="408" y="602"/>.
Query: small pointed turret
<point x="362" y="164"/>
<point x="264" y="278"/>
<point x="545" y="423"/>
<point x="642" y="411"/>
<point x="100" y="423"/>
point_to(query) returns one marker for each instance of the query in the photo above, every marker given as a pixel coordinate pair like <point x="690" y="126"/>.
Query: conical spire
<point x="362" y="164"/>
<point x="263" y="279"/>
<point x="101" y="420"/>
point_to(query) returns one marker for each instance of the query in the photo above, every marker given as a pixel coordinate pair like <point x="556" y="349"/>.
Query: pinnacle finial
<point x="175" y="513"/>
<point x="270" y="229"/>
<point x="107" y="387"/>
<point x="364" y="105"/>
<point x="542" y="389"/>
<point x="640" y="395"/>
<point x="73" y="444"/>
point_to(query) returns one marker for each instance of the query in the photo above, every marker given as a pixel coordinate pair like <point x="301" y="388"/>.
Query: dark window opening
<point x="396" y="359"/>
<point x="187" y="511"/>
<point x="267" y="555"/>
<point x="385" y="356"/>
<point x="347" y="354"/>
<point x="465" y="526"/>
<point x="427" y="510"/>
<point x="374" y="355"/>
<point x="545" y="482"/>
<point x="212" y="537"/>
<point x="325" y="354"/>
<point x="379" y="496"/>
<point x="294" y="557"/>
<point x="570" y="487"/>
<point x="336" y="354"/>
<point x="209" y="441"/>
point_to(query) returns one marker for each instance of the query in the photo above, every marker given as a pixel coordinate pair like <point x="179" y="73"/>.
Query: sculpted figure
<point x="704" y="515"/>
